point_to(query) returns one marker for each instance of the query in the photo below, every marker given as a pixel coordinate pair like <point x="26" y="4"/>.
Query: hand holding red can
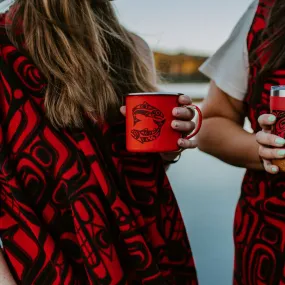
<point x="272" y="137"/>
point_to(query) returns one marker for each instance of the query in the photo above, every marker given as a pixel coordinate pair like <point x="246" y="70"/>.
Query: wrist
<point x="256" y="163"/>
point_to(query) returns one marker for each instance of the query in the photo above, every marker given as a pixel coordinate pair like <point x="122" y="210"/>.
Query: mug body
<point x="148" y="122"/>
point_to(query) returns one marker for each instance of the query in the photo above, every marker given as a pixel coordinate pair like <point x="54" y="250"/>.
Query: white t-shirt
<point x="5" y="5"/>
<point x="228" y="67"/>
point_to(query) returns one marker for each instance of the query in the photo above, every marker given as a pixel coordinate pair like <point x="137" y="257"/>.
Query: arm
<point x="222" y="134"/>
<point x="5" y="275"/>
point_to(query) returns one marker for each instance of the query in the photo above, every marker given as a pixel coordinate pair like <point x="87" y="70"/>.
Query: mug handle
<point x="199" y="124"/>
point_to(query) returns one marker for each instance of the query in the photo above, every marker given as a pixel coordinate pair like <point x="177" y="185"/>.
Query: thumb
<point x="266" y="121"/>
<point x="123" y="110"/>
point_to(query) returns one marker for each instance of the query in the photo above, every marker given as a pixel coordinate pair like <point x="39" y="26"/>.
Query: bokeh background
<point x="182" y="34"/>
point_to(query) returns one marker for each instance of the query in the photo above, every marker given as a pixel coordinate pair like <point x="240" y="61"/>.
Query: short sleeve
<point x="228" y="67"/>
<point x="5" y="5"/>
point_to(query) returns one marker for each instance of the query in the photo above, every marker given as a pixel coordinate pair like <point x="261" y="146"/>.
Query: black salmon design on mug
<point x="148" y="116"/>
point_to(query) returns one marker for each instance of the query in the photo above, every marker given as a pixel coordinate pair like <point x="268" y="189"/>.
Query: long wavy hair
<point x="270" y="49"/>
<point x="88" y="58"/>
<point x="272" y="44"/>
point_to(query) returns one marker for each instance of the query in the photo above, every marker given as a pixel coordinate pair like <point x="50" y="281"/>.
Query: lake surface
<point x="207" y="191"/>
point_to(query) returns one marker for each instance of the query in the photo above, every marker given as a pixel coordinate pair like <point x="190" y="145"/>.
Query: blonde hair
<point x="88" y="59"/>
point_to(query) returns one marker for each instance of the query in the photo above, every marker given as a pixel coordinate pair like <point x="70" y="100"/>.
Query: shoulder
<point x="143" y="49"/>
<point x="219" y="67"/>
<point x="140" y="44"/>
<point x="244" y="23"/>
<point x="146" y="55"/>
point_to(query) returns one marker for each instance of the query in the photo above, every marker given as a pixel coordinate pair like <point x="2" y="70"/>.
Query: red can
<point x="277" y="108"/>
<point x="148" y="122"/>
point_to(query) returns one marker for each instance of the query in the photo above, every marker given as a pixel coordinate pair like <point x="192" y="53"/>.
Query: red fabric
<point x="76" y="208"/>
<point x="259" y="230"/>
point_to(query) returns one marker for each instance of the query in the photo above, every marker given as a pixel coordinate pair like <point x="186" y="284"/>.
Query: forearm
<point x="229" y="142"/>
<point x="5" y="275"/>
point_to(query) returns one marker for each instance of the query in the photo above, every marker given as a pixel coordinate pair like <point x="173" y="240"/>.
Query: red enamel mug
<point x="148" y="122"/>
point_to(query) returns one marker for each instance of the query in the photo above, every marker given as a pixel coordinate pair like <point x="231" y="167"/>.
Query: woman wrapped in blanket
<point x="76" y="207"/>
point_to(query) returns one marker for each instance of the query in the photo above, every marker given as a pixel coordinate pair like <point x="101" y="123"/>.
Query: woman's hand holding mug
<point x="271" y="147"/>
<point x="182" y="124"/>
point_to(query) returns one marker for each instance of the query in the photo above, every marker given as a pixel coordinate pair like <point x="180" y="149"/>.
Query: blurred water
<point x="207" y="191"/>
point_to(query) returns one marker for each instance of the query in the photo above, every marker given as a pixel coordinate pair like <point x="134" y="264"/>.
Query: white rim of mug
<point x="277" y="91"/>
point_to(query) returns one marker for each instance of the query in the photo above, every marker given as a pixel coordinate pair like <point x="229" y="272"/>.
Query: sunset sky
<point x="198" y="26"/>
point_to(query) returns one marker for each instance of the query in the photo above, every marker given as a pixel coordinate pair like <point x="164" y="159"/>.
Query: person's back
<point x="76" y="208"/>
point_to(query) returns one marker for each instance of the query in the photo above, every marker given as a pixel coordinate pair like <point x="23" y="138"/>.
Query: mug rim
<point x="277" y="93"/>
<point x="155" y="93"/>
